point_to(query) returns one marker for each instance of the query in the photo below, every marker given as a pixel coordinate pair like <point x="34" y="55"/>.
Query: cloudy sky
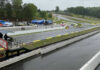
<point x="63" y="4"/>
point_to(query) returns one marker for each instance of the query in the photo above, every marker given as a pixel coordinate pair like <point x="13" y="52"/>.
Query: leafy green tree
<point x="2" y="9"/>
<point x="93" y="11"/>
<point x="57" y="9"/>
<point x="8" y="9"/>
<point x="2" y="13"/>
<point x="17" y="9"/>
<point x="43" y="14"/>
<point x="77" y="10"/>
<point x="49" y="15"/>
<point x="30" y="11"/>
<point x="17" y="3"/>
<point x="2" y="3"/>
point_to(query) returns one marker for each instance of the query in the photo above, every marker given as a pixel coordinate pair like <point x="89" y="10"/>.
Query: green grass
<point x="91" y="20"/>
<point x="59" y="21"/>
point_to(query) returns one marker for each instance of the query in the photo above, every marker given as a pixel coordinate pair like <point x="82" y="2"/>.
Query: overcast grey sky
<point x="63" y="4"/>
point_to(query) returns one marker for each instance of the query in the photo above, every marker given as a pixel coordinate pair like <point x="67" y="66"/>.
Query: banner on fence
<point x="3" y="44"/>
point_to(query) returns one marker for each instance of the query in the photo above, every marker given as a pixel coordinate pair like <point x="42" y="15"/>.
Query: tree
<point x="77" y="10"/>
<point x="49" y="15"/>
<point x="43" y="14"/>
<point x="30" y="11"/>
<point x="17" y="9"/>
<point x="17" y="3"/>
<point x="2" y="9"/>
<point x="57" y="9"/>
<point x="3" y="3"/>
<point x="8" y="9"/>
<point x="2" y="13"/>
<point x="93" y="11"/>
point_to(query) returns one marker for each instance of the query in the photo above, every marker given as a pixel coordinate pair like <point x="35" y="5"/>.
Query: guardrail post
<point x="6" y="56"/>
<point x="18" y="53"/>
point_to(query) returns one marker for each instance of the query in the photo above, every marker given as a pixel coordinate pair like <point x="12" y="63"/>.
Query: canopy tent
<point x="2" y="21"/>
<point x="48" y="21"/>
<point x="38" y="21"/>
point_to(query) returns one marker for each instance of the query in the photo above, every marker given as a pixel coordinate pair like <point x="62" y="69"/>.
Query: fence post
<point x="7" y="53"/>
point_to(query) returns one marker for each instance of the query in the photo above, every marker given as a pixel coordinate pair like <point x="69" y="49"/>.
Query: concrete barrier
<point x="93" y="63"/>
<point x="17" y="28"/>
<point x="19" y="58"/>
<point x="35" y="30"/>
<point x="63" y="43"/>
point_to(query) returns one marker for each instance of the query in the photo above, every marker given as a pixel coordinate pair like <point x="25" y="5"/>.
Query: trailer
<point x="45" y="22"/>
<point x="38" y="21"/>
<point x="48" y="22"/>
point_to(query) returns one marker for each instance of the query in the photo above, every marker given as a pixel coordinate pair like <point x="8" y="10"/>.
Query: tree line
<point x="90" y="11"/>
<point x="17" y="11"/>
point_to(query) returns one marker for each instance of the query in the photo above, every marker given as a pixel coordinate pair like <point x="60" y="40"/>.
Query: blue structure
<point x="6" y="23"/>
<point x="46" y="22"/>
<point x="2" y="21"/>
<point x="38" y="21"/>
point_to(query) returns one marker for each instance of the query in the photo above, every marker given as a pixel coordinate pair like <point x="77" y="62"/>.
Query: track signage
<point x="3" y="44"/>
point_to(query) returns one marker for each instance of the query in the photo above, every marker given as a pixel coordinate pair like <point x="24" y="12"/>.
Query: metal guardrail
<point x="15" y="44"/>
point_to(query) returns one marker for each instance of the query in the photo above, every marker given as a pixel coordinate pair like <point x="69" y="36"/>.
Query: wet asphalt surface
<point x="98" y="68"/>
<point x="43" y="35"/>
<point x="71" y="57"/>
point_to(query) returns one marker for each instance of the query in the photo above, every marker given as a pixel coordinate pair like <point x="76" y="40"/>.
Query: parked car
<point x="1" y="24"/>
<point x="5" y="23"/>
<point x="48" y="22"/>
